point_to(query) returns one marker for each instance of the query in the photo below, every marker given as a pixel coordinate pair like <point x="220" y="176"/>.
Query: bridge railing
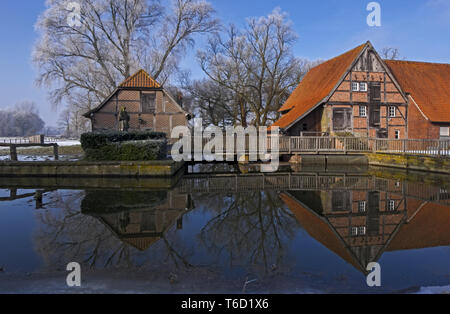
<point x="340" y="145"/>
<point x="362" y="145"/>
<point x="310" y="182"/>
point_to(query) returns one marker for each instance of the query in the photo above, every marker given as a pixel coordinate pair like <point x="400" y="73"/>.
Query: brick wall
<point x="167" y="114"/>
<point x="419" y="126"/>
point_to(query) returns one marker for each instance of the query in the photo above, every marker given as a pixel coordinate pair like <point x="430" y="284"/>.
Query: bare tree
<point x="83" y="64"/>
<point x="388" y="53"/>
<point x="256" y="66"/>
<point x="71" y="122"/>
<point x="212" y="102"/>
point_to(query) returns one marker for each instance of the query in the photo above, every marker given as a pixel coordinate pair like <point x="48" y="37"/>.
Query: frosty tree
<point x="81" y="63"/>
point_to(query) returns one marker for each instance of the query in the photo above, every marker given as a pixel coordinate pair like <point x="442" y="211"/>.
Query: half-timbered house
<point x="148" y="104"/>
<point x="361" y="94"/>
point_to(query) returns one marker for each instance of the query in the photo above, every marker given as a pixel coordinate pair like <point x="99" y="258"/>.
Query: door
<point x="373" y="214"/>
<point x="375" y="104"/>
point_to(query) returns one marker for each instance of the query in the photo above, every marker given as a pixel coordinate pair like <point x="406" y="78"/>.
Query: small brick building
<point x="362" y="94"/>
<point x="148" y="104"/>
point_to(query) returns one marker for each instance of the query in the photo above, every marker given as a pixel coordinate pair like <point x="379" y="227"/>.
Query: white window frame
<point x="354" y="231"/>
<point x="391" y="205"/>
<point x="397" y="134"/>
<point x="355" y="87"/>
<point x="363" y="87"/>
<point x="363" y="111"/>
<point x="362" y="231"/>
<point x="392" y="112"/>
<point x="444" y="131"/>
<point x="362" y="206"/>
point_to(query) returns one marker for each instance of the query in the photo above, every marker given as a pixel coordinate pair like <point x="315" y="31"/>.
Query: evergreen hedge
<point x="95" y="140"/>
<point x="124" y="146"/>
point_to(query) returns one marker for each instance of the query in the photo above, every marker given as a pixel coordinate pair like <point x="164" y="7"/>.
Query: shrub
<point x="129" y="151"/>
<point x="96" y="140"/>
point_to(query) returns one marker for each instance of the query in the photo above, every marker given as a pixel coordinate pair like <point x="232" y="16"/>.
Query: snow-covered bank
<point x="434" y="290"/>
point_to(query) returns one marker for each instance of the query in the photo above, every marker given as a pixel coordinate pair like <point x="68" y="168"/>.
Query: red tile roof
<point x="429" y="228"/>
<point x="428" y="84"/>
<point x="316" y="86"/>
<point x="140" y="79"/>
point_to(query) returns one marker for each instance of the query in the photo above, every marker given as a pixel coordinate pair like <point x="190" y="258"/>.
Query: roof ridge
<point x="342" y="54"/>
<point x="412" y="61"/>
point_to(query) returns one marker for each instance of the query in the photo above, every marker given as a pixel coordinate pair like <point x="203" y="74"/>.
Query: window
<point x="362" y="207"/>
<point x="358" y="231"/>
<point x="363" y="111"/>
<point x="148" y="102"/>
<point x="342" y="119"/>
<point x="341" y="201"/>
<point x="148" y="222"/>
<point x="375" y="115"/>
<point x="355" y="87"/>
<point x="445" y="132"/>
<point x="392" y="112"/>
<point x="305" y="127"/>
<point x="362" y="231"/>
<point x="363" y="87"/>
<point x="375" y="92"/>
<point x="397" y="134"/>
<point x="391" y="206"/>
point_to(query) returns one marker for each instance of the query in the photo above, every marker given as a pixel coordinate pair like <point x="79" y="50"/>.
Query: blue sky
<point x="419" y="28"/>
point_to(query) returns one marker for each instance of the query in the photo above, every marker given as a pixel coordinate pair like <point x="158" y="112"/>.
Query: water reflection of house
<point x="359" y="226"/>
<point x="139" y="219"/>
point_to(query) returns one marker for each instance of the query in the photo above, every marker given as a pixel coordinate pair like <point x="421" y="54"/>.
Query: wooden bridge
<point x="238" y="183"/>
<point x="336" y="145"/>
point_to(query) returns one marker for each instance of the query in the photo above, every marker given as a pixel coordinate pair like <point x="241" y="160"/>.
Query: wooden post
<point x="55" y="151"/>
<point x="13" y="152"/>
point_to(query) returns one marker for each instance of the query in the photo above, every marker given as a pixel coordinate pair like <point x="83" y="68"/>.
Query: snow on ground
<point x="61" y="143"/>
<point x="434" y="290"/>
<point x="68" y="143"/>
<point x="39" y="158"/>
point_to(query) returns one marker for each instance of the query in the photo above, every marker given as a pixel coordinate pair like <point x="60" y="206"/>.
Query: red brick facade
<point x="164" y="116"/>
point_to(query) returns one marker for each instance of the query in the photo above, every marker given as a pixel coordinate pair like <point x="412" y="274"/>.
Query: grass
<point x="46" y="151"/>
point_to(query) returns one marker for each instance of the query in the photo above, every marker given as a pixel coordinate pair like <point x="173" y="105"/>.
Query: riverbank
<point x="411" y="162"/>
<point x="165" y="168"/>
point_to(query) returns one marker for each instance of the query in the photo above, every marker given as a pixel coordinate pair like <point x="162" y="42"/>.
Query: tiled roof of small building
<point x="140" y="79"/>
<point x="428" y="84"/>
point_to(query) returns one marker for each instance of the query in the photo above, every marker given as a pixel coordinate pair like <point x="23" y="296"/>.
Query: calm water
<point x="286" y="232"/>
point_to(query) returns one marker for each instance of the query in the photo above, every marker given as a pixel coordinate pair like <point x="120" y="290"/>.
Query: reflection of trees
<point x="251" y="228"/>
<point x="68" y="235"/>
